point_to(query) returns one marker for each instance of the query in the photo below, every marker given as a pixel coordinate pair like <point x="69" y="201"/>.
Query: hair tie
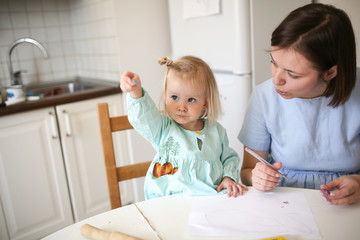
<point x="169" y="62"/>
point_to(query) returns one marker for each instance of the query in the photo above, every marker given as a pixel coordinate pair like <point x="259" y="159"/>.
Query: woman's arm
<point x="248" y="165"/>
<point x="257" y="174"/>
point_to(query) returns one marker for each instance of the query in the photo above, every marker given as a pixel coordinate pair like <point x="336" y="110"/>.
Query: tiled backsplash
<point x="79" y="36"/>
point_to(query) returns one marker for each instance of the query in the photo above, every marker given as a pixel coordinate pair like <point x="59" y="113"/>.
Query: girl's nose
<point x="181" y="107"/>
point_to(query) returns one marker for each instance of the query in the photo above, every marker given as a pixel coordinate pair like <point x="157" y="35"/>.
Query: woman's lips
<point x="280" y="92"/>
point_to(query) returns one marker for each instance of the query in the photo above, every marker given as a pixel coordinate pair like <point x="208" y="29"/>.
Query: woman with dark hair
<point x="306" y="119"/>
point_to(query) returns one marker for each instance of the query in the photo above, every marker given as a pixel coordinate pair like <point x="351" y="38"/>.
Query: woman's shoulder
<point x="266" y="84"/>
<point x="265" y="87"/>
<point x="265" y="92"/>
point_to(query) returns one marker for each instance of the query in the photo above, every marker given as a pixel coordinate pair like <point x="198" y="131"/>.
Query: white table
<point x="169" y="216"/>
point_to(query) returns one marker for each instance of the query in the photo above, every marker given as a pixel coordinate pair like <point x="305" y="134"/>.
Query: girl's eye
<point x="292" y="76"/>
<point x="191" y="100"/>
<point x="174" y="97"/>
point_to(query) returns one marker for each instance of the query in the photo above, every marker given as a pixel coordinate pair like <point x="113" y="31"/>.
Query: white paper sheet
<point x="200" y="8"/>
<point x="253" y="215"/>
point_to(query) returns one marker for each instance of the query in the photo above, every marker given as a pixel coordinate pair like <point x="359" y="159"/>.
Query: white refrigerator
<point x="232" y="36"/>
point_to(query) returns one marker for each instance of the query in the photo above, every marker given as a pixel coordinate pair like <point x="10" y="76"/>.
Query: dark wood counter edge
<point x="58" y="100"/>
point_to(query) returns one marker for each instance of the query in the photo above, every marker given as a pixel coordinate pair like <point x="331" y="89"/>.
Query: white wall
<point x="143" y="38"/>
<point x="265" y="17"/>
<point x="352" y="8"/>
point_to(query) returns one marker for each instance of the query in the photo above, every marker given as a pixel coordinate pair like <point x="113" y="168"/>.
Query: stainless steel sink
<point x="66" y="87"/>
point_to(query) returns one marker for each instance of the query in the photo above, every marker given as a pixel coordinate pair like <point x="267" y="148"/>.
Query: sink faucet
<point x="15" y="78"/>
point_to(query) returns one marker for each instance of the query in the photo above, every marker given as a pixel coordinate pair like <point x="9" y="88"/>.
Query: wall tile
<point x="49" y="5"/>
<point x="33" y="5"/>
<point x="6" y="37"/>
<point x="55" y="49"/>
<point x="17" y="5"/>
<point x="4" y="8"/>
<point x="39" y="34"/>
<point x="51" y="19"/>
<point x="21" y="32"/>
<point x="64" y="18"/>
<point x="53" y="34"/>
<point x="5" y="20"/>
<point x="19" y="20"/>
<point x="80" y="37"/>
<point x="36" y="19"/>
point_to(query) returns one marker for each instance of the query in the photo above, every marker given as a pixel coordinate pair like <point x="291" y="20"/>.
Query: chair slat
<point x="115" y="174"/>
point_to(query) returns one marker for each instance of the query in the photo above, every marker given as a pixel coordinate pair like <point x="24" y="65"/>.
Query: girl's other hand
<point x="233" y="188"/>
<point x="347" y="189"/>
<point x="130" y="82"/>
<point x="264" y="178"/>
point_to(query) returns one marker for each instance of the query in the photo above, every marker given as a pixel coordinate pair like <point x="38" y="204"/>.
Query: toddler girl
<point x="193" y="154"/>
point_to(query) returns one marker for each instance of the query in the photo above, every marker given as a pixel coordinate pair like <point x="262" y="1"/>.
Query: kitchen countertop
<point x="59" y="99"/>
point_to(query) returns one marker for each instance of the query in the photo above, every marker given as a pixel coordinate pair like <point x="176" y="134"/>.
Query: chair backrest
<point x="114" y="173"/>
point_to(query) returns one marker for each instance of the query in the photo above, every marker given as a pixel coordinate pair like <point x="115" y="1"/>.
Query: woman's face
<point x="294" y="76"/>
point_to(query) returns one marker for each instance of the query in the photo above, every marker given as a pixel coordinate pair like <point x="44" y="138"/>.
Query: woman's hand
<point x="130" y="82"/>
<point x="264" y="178"/>
<point x="257" y="174"/>
<point x="347" y="189"/>
<point x="233" y="188"/>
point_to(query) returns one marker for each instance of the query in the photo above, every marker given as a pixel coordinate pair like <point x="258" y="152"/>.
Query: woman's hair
<point x="324" y="35"/>
<point x="196" y="70"/>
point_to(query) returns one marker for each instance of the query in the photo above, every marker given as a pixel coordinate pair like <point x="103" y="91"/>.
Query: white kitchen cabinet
<point x="83" y="155"/>
<point x="34" y="196"/>
<point x="52" y="169"/>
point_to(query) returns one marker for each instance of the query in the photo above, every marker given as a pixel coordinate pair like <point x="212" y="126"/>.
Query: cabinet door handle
<point x="67" y="123"/>
<point x="53" y="125"/>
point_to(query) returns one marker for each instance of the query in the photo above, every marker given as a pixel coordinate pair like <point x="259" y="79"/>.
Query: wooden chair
<point x="115" y="174"/>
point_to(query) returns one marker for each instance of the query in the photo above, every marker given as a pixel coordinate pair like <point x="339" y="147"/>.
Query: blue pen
<point x="264" y="161"/>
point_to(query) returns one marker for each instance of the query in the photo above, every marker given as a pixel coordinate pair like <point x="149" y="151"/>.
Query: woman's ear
<point x="331" y="73"/>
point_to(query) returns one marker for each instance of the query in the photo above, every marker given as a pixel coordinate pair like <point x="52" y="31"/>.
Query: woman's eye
<point x="273" y="62"/>
<point x="292" y="76"/>
<point x="191" y="100"/>
<point x="174" y="97"/>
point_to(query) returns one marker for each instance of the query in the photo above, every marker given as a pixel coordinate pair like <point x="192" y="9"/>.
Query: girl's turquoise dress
<point x="186" y="162"/>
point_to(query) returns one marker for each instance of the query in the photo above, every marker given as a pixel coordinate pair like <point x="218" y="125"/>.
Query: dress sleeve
<point x="145" y="118"/>
<point x="230" y="160"/>
<point x="254" y="132"/>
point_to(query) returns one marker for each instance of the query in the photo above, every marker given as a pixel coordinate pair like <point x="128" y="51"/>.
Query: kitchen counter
<point x="61" y="99"/>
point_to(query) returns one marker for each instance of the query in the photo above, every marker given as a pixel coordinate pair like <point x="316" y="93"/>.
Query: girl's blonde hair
<point x="198" y="71"/>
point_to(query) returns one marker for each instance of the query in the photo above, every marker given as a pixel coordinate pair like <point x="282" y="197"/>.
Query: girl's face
<point x="185" y="101"/>
<point x="294" y="76"/>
